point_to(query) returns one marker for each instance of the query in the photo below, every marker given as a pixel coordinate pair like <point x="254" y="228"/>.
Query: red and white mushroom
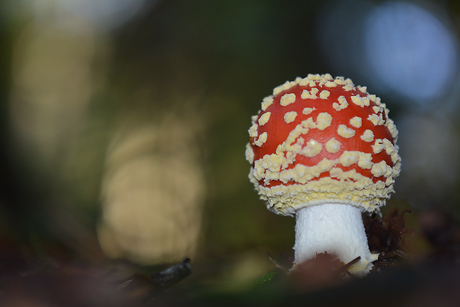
<point x="325" y="150"/>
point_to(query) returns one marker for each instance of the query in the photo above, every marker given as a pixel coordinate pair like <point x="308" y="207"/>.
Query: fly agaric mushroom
<point x="326" y="151"/>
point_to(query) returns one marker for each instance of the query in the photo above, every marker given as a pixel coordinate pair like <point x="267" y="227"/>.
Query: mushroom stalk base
<point x="336" y="229"/>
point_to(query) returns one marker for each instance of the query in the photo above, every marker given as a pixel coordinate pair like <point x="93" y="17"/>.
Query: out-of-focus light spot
<point x="429" y="149"/>
<point x="105" y="13"/>
<point x="152" y="194"/>
<point x="52" y="86"/>
<point x="410" y="51"/>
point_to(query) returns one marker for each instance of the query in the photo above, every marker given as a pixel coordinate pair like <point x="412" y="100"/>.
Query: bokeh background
<point x="124" y="123"/>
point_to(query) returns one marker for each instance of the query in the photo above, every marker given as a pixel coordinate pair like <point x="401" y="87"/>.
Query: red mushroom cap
<point x="319" y="140"/>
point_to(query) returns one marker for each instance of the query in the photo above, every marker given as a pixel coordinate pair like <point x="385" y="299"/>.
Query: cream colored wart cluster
<point x="301" y="185"/>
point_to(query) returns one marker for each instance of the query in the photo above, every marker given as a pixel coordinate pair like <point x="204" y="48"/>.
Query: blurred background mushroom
<point x="152" y="191"/>
<point x="99" y="98"/>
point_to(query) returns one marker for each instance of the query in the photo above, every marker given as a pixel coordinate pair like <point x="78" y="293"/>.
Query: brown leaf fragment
<point x="323" y="271"/>
<point x="386" y="236"/>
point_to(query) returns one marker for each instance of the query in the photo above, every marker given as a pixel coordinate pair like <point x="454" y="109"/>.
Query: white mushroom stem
<point x="336" y="229"/>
